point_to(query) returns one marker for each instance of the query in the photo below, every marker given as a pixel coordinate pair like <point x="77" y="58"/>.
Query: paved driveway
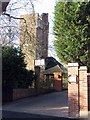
<point x="53" y="104"/>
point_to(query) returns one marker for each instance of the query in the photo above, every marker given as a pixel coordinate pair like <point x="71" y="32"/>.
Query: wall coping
<point x="83" y="68"/>
<point x="73" y="64"/>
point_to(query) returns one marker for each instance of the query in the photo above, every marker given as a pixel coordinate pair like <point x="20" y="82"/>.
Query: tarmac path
<point x="52" y="104"/>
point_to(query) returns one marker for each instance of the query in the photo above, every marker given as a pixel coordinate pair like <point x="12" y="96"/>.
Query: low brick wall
<point x="21" y="93"/>
<point x="7" y="94"/>
<point x="88" y="91"/>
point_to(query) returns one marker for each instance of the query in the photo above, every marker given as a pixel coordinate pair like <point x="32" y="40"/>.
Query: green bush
<point x="14" y="72"/>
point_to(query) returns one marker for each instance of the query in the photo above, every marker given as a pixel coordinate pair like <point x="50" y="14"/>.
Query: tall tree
<point x="72" y="32"/>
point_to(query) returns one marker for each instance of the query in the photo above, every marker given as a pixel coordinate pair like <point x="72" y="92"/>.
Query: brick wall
<point x="44" y="45"/>
<point x="21" y="93"/>
<point x="58" y="81"/>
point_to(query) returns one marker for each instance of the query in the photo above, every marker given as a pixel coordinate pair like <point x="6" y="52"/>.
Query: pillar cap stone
<point x="73" y="64"/>
<point x="83" y="68"/>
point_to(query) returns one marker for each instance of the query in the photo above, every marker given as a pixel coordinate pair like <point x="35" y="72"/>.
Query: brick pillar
<point x="37" y="80"/>
<point x="73" y="99"/>
<point x="58" y="81"/>
<point x="83" y="91"/>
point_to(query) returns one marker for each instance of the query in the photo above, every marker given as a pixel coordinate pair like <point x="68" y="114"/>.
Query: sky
<point x="40" y="6"/>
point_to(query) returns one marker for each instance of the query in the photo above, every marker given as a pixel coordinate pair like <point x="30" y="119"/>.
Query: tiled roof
<point x="51" y="62"/>
<point x="52" y="70"/>
<point x="52" y="65"/>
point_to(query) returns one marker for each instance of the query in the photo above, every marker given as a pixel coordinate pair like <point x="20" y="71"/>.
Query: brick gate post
<point x="77" y="91"/>
<point x="73" y="99"/>
<point x="83" y="91"/>
<point x="37" y="80"/>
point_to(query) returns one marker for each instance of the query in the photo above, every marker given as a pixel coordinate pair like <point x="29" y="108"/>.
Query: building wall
<point x="28" y="38"/>
<point x="45" y="32"/>
<point x="34" y="37"/>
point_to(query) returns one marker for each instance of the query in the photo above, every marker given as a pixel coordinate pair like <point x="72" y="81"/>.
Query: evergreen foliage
<point x="72" y="32"/>
<point x="14" y="72"/>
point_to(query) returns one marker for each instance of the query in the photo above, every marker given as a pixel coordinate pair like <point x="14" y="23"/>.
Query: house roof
<point x="52" y="70"/>
<point x="52" y="65"/>
<point x="51" y="62"/>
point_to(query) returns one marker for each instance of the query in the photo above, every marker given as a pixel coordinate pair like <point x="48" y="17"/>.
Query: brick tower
<point x="34" y="37"/>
